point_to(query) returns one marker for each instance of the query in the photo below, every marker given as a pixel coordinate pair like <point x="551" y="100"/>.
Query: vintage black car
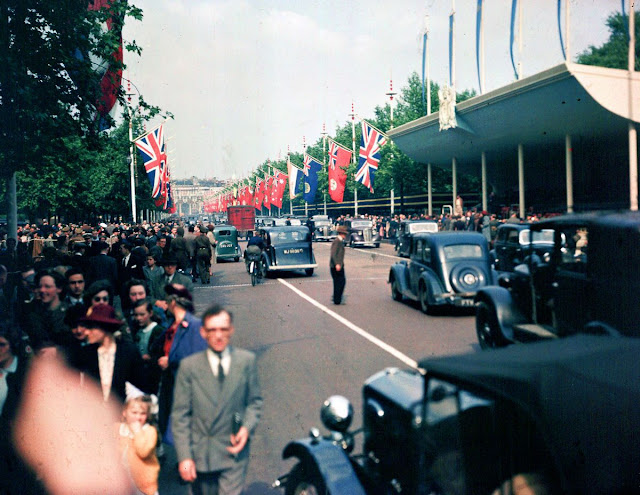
<point x="288" y="248"/>
<point x="446" y="268"/>
<point x="559" y="416"/>
<point x="406" y="231"/>
<point x="361" y="233"/>
<point x="514" y="243"/>
<point x="322" y="228"/>
<point x="590" y="283"/>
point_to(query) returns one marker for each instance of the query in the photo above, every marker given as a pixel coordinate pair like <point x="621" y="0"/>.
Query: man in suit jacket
<point x="216" y="408"/>
<point x="101" y="266"/>
<point x="171" y="276"/>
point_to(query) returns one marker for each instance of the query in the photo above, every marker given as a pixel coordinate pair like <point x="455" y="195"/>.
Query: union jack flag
<point x="372" y="141"/>
<point x="154" y="157"/>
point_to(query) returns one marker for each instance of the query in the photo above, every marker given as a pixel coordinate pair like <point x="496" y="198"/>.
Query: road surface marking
<point x="374" y="340"/>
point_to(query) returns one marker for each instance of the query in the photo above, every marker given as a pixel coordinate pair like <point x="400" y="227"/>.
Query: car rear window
<point x="223" y="232"/>
<point x="423" y="227"/>
<point x="459" y="251"/>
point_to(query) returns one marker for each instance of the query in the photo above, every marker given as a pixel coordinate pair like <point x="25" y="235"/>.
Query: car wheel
<point x="377" y="244"/>
<point x="351" y="242"/>
<point x="396" y="294"/>
<point x="424" y="300"/>
<point x="236" y="259"/>
<point x="308" y="271"/>
<point x="487" y="328"/>
<point x="303" y="481"/>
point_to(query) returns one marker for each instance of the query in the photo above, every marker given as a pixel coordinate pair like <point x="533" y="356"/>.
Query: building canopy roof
<point x="574" y="99"/>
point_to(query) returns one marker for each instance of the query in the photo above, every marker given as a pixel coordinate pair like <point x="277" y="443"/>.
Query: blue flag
<point x="311" y="169"/>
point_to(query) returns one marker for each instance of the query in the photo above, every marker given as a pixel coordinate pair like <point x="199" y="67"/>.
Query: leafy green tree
<point x="50" y="93"/>
<point x="614" y="53"/>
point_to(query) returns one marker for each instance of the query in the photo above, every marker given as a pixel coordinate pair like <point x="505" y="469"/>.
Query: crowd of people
<point x="115" y="303"/>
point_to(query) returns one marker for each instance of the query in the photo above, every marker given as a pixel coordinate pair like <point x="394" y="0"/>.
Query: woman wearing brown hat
<point x="109" y="361"/>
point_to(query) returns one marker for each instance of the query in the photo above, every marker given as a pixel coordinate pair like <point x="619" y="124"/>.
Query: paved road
<point x="310" y="349"/>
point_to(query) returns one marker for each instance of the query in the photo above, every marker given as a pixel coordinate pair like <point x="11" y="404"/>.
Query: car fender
<point x="433" y="285"/>
<point x="505" y="308"/>
<point x="399" y="272"/>
<point x="331" y="462"/>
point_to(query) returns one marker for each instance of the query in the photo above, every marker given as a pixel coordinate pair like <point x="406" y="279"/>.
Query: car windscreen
<point x="414" y="228"/>
<point x="360" y="225"/>
<point x="223" y="232"/>
<point x="463" y="251"/>
<point x="544" y="236"/>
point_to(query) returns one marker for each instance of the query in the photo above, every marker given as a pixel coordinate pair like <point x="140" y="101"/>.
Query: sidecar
<point x="559" y="416"/>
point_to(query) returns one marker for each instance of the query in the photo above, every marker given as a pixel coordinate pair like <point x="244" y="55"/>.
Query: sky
<point x="248" y="80"/>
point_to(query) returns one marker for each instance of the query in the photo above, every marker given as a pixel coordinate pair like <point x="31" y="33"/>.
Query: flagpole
<point x="324" y="161"/>
<point x="353" y="157"/>
<point x="426" y="49"/>
<point x="132" y="167"/>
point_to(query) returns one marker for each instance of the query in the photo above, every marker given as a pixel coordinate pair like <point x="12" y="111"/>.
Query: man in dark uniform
<point x="203" y="255"/>
<point x="336" y="264"/>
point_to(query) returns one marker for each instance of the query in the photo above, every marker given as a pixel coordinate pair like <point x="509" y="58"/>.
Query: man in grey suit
<point x="171" y="276"/>
<point x="216" y="407"/>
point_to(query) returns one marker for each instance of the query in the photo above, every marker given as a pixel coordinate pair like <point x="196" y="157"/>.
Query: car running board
<point x="530" y="332"/>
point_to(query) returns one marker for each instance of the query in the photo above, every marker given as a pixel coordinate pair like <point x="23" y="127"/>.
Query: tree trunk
<point x="12" y="207"/>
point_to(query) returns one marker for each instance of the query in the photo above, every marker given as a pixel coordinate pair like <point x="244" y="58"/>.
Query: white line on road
<point x="374" y="340"/>
<point x="374" y="254"/>
<point x="308" y="281"/>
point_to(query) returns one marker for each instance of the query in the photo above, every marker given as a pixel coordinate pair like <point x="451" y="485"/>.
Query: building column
<point x="454" y="181"/>
<point x="521" y="181"/>
<point x="483" y="173"/>
<point x="429" y="190"/>
<point x="633" y="167"/>
<point x="568" y="151"/>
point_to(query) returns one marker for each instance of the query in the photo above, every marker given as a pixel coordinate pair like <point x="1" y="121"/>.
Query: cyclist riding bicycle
<point x="255" y="246"/>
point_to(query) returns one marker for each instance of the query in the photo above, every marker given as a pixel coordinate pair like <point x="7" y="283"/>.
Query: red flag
<point x="268" y="186"/>
<point x="278" y="188"/>
<point x="259" y="195"/>
<point x="339" y="158"/>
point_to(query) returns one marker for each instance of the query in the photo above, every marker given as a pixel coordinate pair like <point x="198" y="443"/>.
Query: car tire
<point x="308" y="271"/>
<point x="487" y="328"/>
<point x="304" y="481"/>
<point x="351" y="243"/>
<point x="423" y="298"/>
<point x="236" y="259"/>
<point x="396" y="294"/>
<point x="377" y="244"/>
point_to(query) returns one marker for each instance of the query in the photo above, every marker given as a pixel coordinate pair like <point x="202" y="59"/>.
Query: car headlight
<point x="337" y="413"/>
<point x="359" y="232"/>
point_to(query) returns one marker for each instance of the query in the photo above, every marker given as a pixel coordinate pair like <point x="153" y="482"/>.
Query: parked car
<point x="361" y="233"/>
<point x="590" y="283"/>
<point x="514" y="243"/>
<point x="227" y="239"/>
<point x="446" y="268"/>
<point x="407" y="229"/>
<point x="288" y="248"/>
<point x="557" y="416"/>
<point x="322" y="228"/>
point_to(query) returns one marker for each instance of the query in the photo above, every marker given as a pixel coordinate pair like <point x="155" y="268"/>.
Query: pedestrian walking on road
<point x="336" y="264"/>
<point x="216" y="406"/>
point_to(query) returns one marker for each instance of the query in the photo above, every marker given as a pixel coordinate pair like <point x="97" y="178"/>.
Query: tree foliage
<point x="53" y="134"/>
<point x="614" y="53"/>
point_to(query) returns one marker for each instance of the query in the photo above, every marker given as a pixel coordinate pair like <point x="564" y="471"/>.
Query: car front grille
<point x="367" y="235"/>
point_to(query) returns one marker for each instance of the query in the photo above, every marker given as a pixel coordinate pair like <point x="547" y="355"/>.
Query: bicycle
<point x="254" y="270"/>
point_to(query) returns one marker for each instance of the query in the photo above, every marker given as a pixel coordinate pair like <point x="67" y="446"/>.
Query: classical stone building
<point x="189" y="194"/>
